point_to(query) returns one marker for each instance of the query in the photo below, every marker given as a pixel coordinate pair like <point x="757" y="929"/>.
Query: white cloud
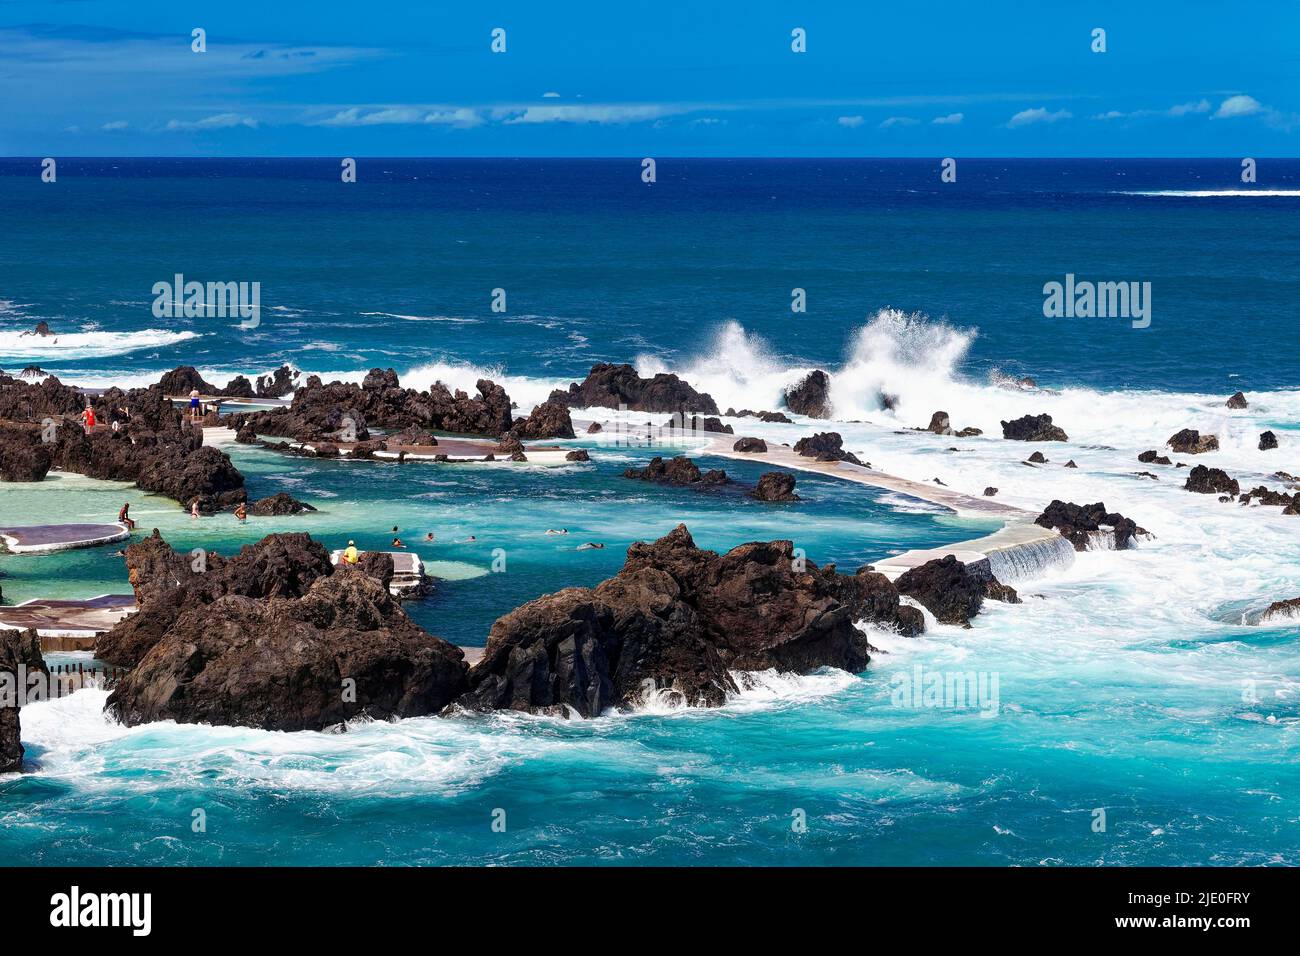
<point x="1038" y="115"/>
<point x="1181" y="109"/>
<point x="852" y="122"/>
<point x="952" y="119"/>
<point x="898" y="121"/>
<point x="550" y="96"/>
<point x="461" y="116"/>
<point x="114" y="125"/>
<point x="219" y="121"/>
<point x="1239" y="105"/>
<point x="585" y="113"/>
<point x="410" y="115"/>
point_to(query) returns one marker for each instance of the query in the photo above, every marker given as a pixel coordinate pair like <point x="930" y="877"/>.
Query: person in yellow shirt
<point x="350" y="555"/>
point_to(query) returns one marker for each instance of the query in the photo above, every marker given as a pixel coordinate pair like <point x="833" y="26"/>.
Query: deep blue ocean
<point x="1140" y="684"/>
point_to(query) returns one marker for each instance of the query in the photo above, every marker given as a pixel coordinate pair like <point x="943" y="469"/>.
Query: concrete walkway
<point x="43" y="538"/>
<point x="1019" y="544"/>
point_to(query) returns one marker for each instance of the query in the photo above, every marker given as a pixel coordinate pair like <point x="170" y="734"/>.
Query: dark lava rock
<point x="578" y="454"/>
<point x="1033" y="428"/>
<point x="1070" y="464"/>
<point x="1267" y="441"/>
<point x="775" y="486"/>
<point x="280" y="383"/>
<point x="266" y="638"/>
<point x="548" y="420"/>
<point x="1267" y="496"/>
<point x="23" y="457"/>
<point x="343" y="649"/>
<point x="183" y="380"/>
<point x="1038" y="458"/>
<point x="594" y="428"/>
<point x="995" y="590"/>
<point x="1083" y="524"/>
<point x="990" y="491"/>
<point x="677" y="471"/>
<point x="677" y="620"/>
<point x="776" y="417"/>
<point x="33" y="402"/>
<point x="280" y="503"/>
<point x="825" y="446"/>
<point x="167" y="582"/>
<point x="609" y="386"/>
<point x="750" y="446"/>
<point x="20" y="657"/>
<point x="1191" y="442"/>
<point x="1237" y="401"/>
<point x="1281" y="610"/>
<point x="940" y="424"/>
<point x="811" y="397"/>
<point x="239" y="387"/>
<point x="1152" y="457"/>
<point x="948" y="588"/>
<point x="1211" y="481"/>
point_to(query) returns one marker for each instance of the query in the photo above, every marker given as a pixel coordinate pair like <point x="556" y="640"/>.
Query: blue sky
<point x="633" y="78"/>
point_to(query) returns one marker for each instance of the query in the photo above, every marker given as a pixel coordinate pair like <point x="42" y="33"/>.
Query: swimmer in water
<point x="557" y="530"/>
<point x="397" y="543"/>
<point x="471" y="540"/>
<point x="429" y="537"/>
<point x="591" y="546"/>
<point x="194" y="508"/>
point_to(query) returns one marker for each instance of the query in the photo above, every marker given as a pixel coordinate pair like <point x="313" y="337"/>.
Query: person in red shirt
<point x="88" y="418"/>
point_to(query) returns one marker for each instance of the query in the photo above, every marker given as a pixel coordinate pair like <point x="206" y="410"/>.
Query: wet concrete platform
<point x="43" y="538"/>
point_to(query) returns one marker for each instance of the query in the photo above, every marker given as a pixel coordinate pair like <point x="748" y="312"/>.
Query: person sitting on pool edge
<point x="124" y="518"/>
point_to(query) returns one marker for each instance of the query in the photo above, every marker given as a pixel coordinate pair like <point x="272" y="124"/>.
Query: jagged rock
<point x="1267" y="496"/>
<point x="1211" y="481"/>
<point x="948" y="588"/>
<point x="1267" y="441"/>
<point x="1033" y="428"/>
<point x="1038" y="458"/>
<point x="594" y="428"/>
<point x="1281" y="611"/>
<point x="1191" y="442"/>
<point x="940" y="424"/>
<point x="365" y="450"/>
<point x="377" y="564"/>
<point x="33" y="402"/>
<point x="20" y="657"/>
<point x="548" y="420"/>
<point x="825" y="446"/>
<point x="811" y="397"/>
<point x="1147" y="474"/>
<point x="344" y="649"/>
<point x="278" y="384"/>
<point x="1084" y="525"/>
<point x="280" y="503"/>
<point x="1070" y="464"/>
<point x="184" y="379"/>
<point x="1237" y="401"/>
<point x="23" y="457"/>
<point x="990" y="491"/>
<point x="578" y="454"/>
<point x="774" y="417"/>
<point x="239" y="387"/>
<point x="750" y="446"/>
<point x="678" y="619"/>
<point x="1152" y="457"/>
<point x="677" y="471"/>
<point x="609" y="386"/>
<point x="995" y="590"/>
<point x="775" y="486"/>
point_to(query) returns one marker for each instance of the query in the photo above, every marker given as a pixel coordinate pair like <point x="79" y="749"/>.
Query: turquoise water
<point x="1126" y="689"/>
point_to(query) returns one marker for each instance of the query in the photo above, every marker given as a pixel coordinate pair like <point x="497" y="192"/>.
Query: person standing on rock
<point x="88" y="418"/>
<point x="194" y="404"/>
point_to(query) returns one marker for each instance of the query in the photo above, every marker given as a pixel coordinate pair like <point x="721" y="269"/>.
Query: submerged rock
<point x="1033" y="428"/>
<point x="775" y="486"/>
<point x="609" y="386"/>
<point x="1191" y="442"/>
<point x="676" y="620"/>
<point x="1087" y="527"/>
<point x="1282" y="611"/>
<point x="1152" y="457"/>
<point x="811" y="397"/>
<point x="280" y="503"/>
<point x="776" y="417"/>
<point x="578" y="454"/>
<point x="677" y="471"/>
<point x="1211" y="481"/>
<point x="20" y="657"/>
